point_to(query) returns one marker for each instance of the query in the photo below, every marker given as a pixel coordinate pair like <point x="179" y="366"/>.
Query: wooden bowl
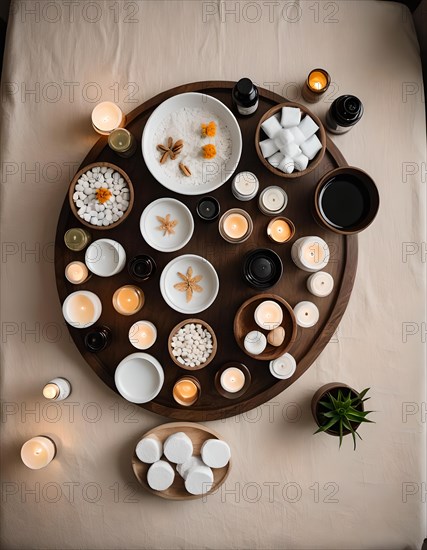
<point x="74" y="208"/>
<point x="198" y="435"/>
<point x="204" y="325"/>
<point x="244" y="323"/>
<point x="321" y="134"/>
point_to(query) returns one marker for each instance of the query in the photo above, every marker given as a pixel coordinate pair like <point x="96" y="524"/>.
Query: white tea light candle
<point x="106" y="117"/>
<point x="310" y="253"/>
<point x="306" y="314"/>
<point x="268" y="315"/>
<point x="76" y="273"/>
<point x="272" y="200"/>
<point x="283" y="367"/>
<point x="142" y="334"/>
<point x="57" y="389"/>
<point x="320" y="284"/>
<point x="38" y="452"/>
<point x="245" y="186"/>
<point x="232" y="380"/>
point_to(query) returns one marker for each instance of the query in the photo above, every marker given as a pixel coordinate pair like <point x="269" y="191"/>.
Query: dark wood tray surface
<point x="227" y="260"/>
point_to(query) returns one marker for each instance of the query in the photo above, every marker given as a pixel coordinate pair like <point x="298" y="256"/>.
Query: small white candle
<point x="283" y="367"/>
<point x="232" y="380"/>
<point x="106" y="117"/>
<point x="268" y="315"/>
<point x="306" y="314"/>
<point x="273" y="200"/>
<point x="76" y="273"/>
<point x="57" y="389"/>
<point x="310" y="254"/>
<point x="320" y="284"/>
<point x="255" y="342"/>
<point x="245" y="186"/>
<point x="142" y="334"/>
<point x="38" y="452"/>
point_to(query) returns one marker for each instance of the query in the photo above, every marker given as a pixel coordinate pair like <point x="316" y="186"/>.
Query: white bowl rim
<point x="120" y="251"/>
<point x="149" y="359"/>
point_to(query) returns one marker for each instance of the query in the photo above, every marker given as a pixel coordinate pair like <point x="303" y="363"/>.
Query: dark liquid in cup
<point x="344" y="202"/>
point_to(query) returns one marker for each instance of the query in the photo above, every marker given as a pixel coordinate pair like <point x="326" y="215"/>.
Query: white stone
<point x="103" y="169"/>
<point x="94" y="220"/>
<point x="215" y="453"/>
<point x="149" y="449"/>
<point x="178" y="448"/>
<point x="160" y="475"/>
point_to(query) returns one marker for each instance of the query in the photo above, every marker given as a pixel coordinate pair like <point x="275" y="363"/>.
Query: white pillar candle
<point x="76" y="273"/>
<point x="232" y="380"/>
<point x="160" y="475"/>
<point x="57" y="389"/>
<point x="320" y="284"/>
<point x="245" y="186"/>
<point x="283" y="367"/>
<point x="310" y="254"/>
<point x="272" y="200"/>
<point x="142" y="334"/>
<point x="268" y="315"/>
<point x="306" y="314"/>
<point x="215" y="453"/>
<point x="106" y="117"/>
<point x="38" y="452"/>
<point x="149" y="449"/>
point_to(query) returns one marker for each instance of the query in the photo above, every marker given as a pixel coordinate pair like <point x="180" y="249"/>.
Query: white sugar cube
<point x="301" y="162"/>
<point x="311" y="147"/>
<point x="297" y="135"/>
<point x="284" y="137"/>
<point x="287" y="165"/>
<point x="291" y="116"/>
<point x="308" y="127"/>
<point x="275" y="159"/>
<point x="271" y="126"/>
<point x="268" y="147"/>
<point x="290" y="150"/>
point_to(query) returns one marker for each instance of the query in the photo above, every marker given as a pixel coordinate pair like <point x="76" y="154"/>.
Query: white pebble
<point x="103" y="169"/>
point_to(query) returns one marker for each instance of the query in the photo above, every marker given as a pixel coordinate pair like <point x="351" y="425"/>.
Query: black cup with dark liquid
<point x="97" y="339"/>
<point x="208" y="209"/>
<point x="142" y="267"/>
<point x="262" y="268"/>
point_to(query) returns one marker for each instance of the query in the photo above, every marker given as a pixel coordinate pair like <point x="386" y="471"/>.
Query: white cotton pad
<point x="301" y="162"/>
<point x="199" y="480"/>
<point x="268" y="147"/>
<point x="308" y="127"/>
<point x="215" y="453"/>
<point x="290" y="150"/>
<point x="287" y="165"/>
<point x="149" y="449"/>
<point x="276" y="159"/>
<point x="188" y="465"/>
<point x="178" y="448"/>
<point x="311" y="147"/>
<point x="271" y="126"/>
<point x="297" y="135"/>
<point x="291" y="116"/>
<point x="160" y="475"/>
<point x="283" y="137"/>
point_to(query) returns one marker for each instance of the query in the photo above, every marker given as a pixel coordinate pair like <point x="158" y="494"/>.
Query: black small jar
<point x="344" y="113"/>
<point x="245" y="97"/>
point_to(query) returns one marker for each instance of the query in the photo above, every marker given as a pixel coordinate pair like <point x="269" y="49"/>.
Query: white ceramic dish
<point x="105" y="257"/>
<point x="139" y="377"/>
<point x="192" y="100"/>
<point x="150" y="225"/>
<point x="79" y="305"/>
<point x="177" y="299"/>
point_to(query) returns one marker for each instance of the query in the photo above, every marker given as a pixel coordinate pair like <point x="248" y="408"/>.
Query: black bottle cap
<point x="244" y="86"/>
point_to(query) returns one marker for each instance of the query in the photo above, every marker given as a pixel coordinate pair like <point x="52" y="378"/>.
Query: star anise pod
<point x="171" y="150"/>
<point x="189" y="284"/>
<point x="167" y="224"/>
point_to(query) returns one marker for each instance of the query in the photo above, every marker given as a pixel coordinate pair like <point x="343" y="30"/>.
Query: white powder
<point x="186" y="124"/>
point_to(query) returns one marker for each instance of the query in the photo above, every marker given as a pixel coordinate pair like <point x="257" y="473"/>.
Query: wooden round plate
<point x="198" y="435"/>
<point x="244" y="323"/>
<point x="176" y="329"/>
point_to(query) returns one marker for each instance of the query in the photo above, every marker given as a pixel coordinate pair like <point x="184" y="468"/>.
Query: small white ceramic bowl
<point x="139" y="377"/>
<point x="105" y="257"/>
<point x="150" y="225"/>
<point x="81" y="309"/>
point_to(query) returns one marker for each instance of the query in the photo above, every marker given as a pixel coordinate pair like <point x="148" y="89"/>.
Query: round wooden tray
<point x="227" y="260"/>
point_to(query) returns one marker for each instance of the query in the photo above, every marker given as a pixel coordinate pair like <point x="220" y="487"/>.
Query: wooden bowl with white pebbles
<point x="181" y="459"/>
<point x="101" y="195"/>
<point x="192" y="344"/>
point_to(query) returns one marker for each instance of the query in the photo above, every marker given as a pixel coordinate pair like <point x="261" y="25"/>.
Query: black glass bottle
<point x="344" y="113"/>
<point x="245" y="97"/>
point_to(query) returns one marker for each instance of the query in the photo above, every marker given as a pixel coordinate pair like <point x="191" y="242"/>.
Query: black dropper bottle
<point x="245" y="97"/>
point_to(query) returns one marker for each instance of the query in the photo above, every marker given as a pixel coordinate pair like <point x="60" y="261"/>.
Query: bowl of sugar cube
<point x="101" y="195"/>
<point x="290" y="140"/>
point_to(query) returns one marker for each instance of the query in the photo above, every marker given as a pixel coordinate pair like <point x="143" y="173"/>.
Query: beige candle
<point x="76" y="273"/>
<point x="38" y="452"/>
<point x="106" y="117"/>
<point x="186" y="391"/>
<point x="142" y="334"/>
<point x="232" y="380"/>
<point x="268" y="315"/>
<point x="128" y="300"/>
<point x="279" y="230"/>
<point x="235" y="225"/>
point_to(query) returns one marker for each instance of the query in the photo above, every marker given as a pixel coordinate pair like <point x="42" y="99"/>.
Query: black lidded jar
<point x="97" y="339"/>
<point x="343" y="114"/>
<point x="245" y="97"/>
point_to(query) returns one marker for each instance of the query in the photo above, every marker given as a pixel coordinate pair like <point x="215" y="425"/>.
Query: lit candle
<point x="76" y="273"/>
<point x="235" y="226"/>
<point x="280" y="230"/>
<point x="317" y="83"/>
<point x="122" y="142"/>
<point x="82" y="309"/>
<point x="268" y="315"/>
<point x="38" y="452"/>
<point x="320" y="284"/>
<point x="106" y="117"/>
<point x="306" y="314"/>
<point x="272" y="200"/>
<point x="128" y="300"/>
<point x="232" y="380"/>
<point x="245" y="186"/>
<point x="77" y="239"/>
<point x="57" y="389"/>
<point x="310" y="254"/>
<point x="142" y="334"/>
<point x="283" y="367"/>
<point x="186" y="391"/>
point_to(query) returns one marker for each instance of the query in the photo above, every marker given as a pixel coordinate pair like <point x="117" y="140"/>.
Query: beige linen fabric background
<point x="287" y="489"/>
